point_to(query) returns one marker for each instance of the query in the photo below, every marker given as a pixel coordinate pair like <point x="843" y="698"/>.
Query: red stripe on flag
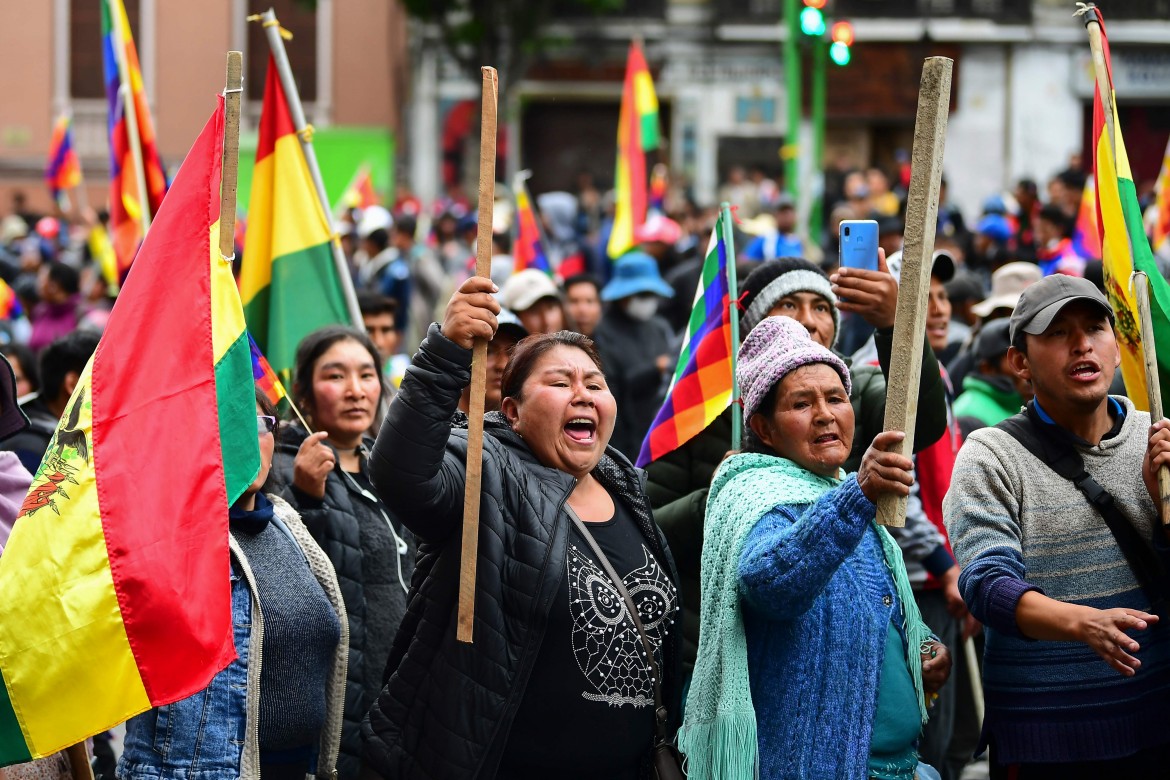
<point x="275" y="121"/>
<point x="155" y="426"/>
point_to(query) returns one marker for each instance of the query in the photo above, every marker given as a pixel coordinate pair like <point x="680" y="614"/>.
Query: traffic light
<point x="812" y="18"/>
<point x="842" y="37"/>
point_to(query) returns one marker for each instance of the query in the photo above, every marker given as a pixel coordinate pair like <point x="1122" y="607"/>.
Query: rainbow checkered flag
<point x="704" y="379"/>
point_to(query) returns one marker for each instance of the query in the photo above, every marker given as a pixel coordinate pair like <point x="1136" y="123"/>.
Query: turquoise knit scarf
<point x="718" y="735"/>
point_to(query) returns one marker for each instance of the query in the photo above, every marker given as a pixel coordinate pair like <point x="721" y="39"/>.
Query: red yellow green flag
<point x="1125" y="248"/>
<point x="1161" y="213"/>
<point x="637" y="135"/>
<point x="288" y="279"/>
<point x="115" y="578"/>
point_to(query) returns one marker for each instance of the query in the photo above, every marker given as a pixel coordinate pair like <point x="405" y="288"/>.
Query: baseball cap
<point x="992" y="342"/>
<point x="1041" y="302"/>
<point x="525" y="288"/>
<point x="942" y="265"/>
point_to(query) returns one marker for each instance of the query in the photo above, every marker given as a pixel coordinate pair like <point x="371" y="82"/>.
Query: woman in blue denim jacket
<point x="281" y="718"/>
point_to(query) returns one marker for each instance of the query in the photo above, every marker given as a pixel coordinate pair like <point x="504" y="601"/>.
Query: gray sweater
<point x="1016" y="526"/>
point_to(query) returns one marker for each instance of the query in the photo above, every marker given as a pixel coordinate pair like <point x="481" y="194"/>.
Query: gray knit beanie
<point x="775" y="348"/>
<point x="773" y="280"/>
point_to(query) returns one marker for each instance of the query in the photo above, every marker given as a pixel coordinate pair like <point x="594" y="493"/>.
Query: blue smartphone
<point x="859" y="244"/>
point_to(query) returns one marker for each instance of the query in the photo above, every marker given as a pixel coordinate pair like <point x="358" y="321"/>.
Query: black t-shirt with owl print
<point x="588" y="710"/>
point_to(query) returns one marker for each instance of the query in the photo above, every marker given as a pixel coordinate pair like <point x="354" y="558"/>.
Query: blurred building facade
<point x="349" y="58"/>
<point x="1021" y="105"/>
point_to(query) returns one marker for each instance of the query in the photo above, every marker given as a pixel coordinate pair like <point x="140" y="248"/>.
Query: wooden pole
<point x="305" y="133"/>
<point x="79" y="766"/>
<point x="1141" y="286"/>
<point x="233" y="87"/>
<point x="930" y="128"/>
<point x="975" y="677"/>
<point x="130" y="111"/>
<point x="483" y="267"/>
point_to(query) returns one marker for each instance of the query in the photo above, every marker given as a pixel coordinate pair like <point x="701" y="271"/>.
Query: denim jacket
<point x="214" y="734"/>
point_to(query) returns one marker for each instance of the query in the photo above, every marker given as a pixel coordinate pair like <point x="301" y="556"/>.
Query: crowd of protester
<point x="746" y="601"/>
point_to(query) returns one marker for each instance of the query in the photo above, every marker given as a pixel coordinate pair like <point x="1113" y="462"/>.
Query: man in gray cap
<point x="1052" y="516"/>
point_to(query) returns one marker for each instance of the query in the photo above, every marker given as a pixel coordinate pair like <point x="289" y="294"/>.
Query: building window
<point x="85" y="45"/>
<point x="300" y="19"/>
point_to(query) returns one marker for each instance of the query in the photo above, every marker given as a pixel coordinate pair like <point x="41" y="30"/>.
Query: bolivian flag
<point x="288" y="279"/>
<point x="115" y="579"/>
<point x="1125" y="249"/>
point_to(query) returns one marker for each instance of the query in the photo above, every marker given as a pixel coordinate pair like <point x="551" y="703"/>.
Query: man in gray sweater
<point x="1043" y="571"/>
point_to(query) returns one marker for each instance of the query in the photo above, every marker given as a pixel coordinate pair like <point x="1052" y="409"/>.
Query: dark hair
<point x="767" y="405"/>
<point x="310" y="350"/>
<point x="1055" y="214"/>
<point x="503" y="241"/>
<point x="405" y="224"/>
<point x="28" y="363"/>
<point x="379" y="238"/>
<point x="576" y="279"/>
<point x="530" y="349"/>
<point x="269" y="409"/>
<point x="372" y="304"/>
<point x="67" y="354"/>
<point x="65" y="276"/>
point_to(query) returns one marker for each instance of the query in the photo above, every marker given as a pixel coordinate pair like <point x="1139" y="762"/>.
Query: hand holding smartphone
<point x="859" y="244"/>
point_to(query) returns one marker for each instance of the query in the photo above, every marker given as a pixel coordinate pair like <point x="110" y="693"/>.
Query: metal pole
<point x="280" y="57"/>
<point x="816" y="224"/>
<point x="792" y="88"/>
<point x="733" y="291"/>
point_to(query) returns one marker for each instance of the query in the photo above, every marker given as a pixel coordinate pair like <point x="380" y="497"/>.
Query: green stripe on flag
<point x="304" y="295"/>
<point x="1143" y="260"/>
<point x="13" y="748"/>
<point x="235" y="395"/>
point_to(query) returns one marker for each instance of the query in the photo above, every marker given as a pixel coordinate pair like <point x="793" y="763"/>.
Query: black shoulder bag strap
<point x="1063" y="458"/>
<point x="666" y="757"/>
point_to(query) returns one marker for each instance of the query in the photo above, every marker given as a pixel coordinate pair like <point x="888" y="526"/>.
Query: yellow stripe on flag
<point x="282" y="219"/>
<point x="227" y="317"/>
<point x="1118" y="265"/>
<point x="76" y="616"/>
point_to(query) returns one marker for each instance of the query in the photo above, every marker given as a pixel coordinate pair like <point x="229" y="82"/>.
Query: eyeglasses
<point x="265" y="424"/>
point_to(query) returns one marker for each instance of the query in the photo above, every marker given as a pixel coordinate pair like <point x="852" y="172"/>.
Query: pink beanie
<point x="772" y="350"/>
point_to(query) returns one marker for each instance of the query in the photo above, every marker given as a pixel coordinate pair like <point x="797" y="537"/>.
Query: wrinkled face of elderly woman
<point x="810" y="421"/>
<point x="564" y="411"/>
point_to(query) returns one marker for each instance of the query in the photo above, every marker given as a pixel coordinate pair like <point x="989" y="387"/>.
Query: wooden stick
<point x="233" y="87"/>
<point x="79" y="766"/>
<point x="930" y="128"/>
<point x="975" y="678"/>
<point x="483" y="267"/>
<point x="1141" y="285"/>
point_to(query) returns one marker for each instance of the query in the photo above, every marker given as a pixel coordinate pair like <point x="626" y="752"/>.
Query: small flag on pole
<point x="1086" y="240"/>
<point x="64" y="170"/>
<point x="703" y="384"/>
<point x="529" y="249"/>
<point x="265" y="377"/>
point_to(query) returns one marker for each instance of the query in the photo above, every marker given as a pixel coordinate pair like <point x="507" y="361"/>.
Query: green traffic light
<point x="812" y="21"/>
<point x="839" y="53"/>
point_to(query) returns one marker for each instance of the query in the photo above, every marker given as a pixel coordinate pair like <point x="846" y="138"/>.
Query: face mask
<point x="642" y="307"/>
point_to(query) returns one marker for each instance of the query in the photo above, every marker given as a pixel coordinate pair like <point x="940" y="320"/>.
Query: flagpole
<point x="304" y="133"/>
<point x="233" y="87"/>
<point x="733" y="294"/>
<point x="130" y="112"/>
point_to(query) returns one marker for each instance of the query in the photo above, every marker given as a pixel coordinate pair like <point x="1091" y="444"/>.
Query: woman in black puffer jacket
<point x="555" y="683"/>
<point x="325" y="475"/>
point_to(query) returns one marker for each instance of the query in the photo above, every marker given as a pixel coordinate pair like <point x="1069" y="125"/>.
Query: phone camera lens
<point x="847" y="231"/>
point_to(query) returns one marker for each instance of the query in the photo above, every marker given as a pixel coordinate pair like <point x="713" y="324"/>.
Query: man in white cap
<point x="1052" y="516"/>
<point x="533" y="296"/>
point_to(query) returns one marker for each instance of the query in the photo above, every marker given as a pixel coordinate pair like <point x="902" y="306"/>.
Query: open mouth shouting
<point x="826" y="439"/>
<point x="1085" y="371"/>
<point x="581" y="430"/>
